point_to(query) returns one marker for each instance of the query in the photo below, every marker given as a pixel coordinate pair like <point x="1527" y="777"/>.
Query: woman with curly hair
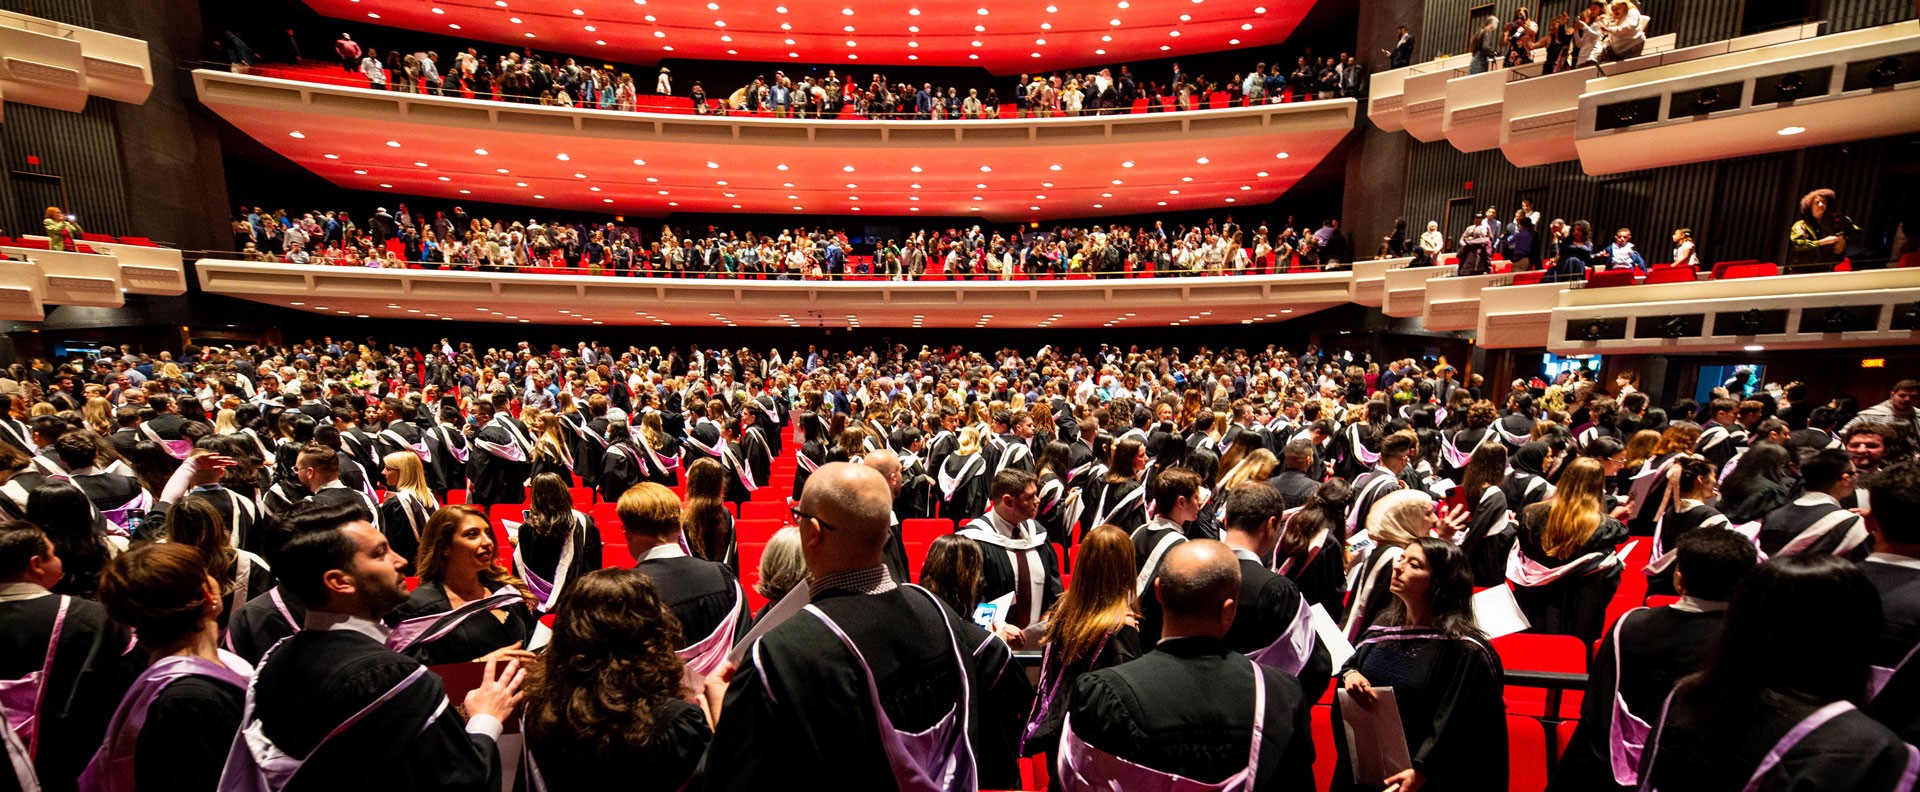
<point x="605" y="700"/>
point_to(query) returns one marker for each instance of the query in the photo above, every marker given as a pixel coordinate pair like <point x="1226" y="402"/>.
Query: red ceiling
<point x="1021" y="182"/>
<point x="1004" y="36"/>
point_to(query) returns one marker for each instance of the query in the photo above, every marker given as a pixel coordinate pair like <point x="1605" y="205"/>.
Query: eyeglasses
<point x="797" y="514"/>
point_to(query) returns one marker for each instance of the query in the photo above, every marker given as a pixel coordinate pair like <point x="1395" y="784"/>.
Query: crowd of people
<point x="203" y="572"/>
<point x="458" y="240"/>
<point x="561" y="81"/>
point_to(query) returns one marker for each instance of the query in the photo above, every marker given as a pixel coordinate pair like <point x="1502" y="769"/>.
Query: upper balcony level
<point x="52" y="64"/>
<point x="652" y="164"/>
<point x="1002" y="36"/>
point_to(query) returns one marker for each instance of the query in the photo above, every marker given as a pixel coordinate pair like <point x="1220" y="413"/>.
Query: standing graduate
<point x="1311" y="551"/>
<point x="1566" y="570"/>
<point x="751" y="450"/>
<point x="1773" y="707"/>
<point x="1894" y="571"/>
<point x="336" y="702"/>
<point x="1490" y="531"/>
<point x="399" y="434"/>
<point x="1016" y="557"/>
<point x="659" y="452"/>
<point x="1690" y="489"/>
<point x="318" y="467"/>
<point x="1176" y="502"/>
<point x="1117" y="497"/>
<point x="964" y="477"/>
<point x="1095" y="625"/>
<point x="1445" y="677"/>
<point x="898" y="565"/>
<point x="1645" y="653"/>
<point x="174" y="727"/>
<point x="704" y="595"/>
<point x="836" y="691"/>
<point x="409" y="504"/>
<point x="1271" y="623"/>
<point x="555" y="544"/>
<point x="623" y="466"/>
<point x="498" y="464"/>
<point x="1191" y="710"/>
<point x="589" y="430"/>
<point x="448" y="465"/>
<point x="468" y="607"/>
<point x="1376" y="483"/>
<point x="1815" y="522"/>
<point x="60" y="659"/>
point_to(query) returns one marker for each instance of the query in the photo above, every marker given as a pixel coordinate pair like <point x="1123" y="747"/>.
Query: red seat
<point x="1529" y="652"/>
<point x="413" y="583"/>
<point x="1526" y="754"/>
<point x="455" y="497"/>
<point x="772" y="494"/>
<point x="1320" y="725"/>
<point x="756" y="530"/>
<point x="1670" y="274"/>
<point x="1908" y="260"/>
<point x="507" y="511"/>
<point x="615" y="556"/>
<point x="1529" y="277"/>
<point x="1603" y="279"/>
<point x="1845" y="265"/>
<point x="1752" y="271"/>
<point x="502" y="542"/>
<point x="762" y="510"/>
<point x="750" y="553"/>
<point x="925" y="529"/>
<point x="916" y="558"/>
<point x="582" y="496"/>
<point x="1720" y="269"/>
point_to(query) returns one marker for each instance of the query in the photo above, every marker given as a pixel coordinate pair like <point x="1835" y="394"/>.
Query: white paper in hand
<point x="1497" y="613"/>
<point x="788" y="606"/>
<point x="1374" y="736"/>
<point x="1331" y="636"/>
<point x="992" y="614"/>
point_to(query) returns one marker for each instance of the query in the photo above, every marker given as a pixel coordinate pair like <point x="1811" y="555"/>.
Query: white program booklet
<point x="1497" y="613"/>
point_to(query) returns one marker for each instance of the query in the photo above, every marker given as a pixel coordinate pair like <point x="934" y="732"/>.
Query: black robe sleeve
<point x="189" y="729"/>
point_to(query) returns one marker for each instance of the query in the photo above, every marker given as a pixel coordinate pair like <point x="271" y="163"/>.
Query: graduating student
<point x="813" y="447"/>
<point x="1815" y="522"/>
<point x="1647" y="489"/>
<point x="409" y="504"/>
<point x="60" y="659"/>
<point x="1722" y="436"/>
<point x="1445" y="677"/>
<point x="1191" y="710"/>
<point x="1397" y="521"/>
<point x="1566" y="571"/>
<point x="1272" y="623"/>
<point x="1016" y="556"/>
<point x="173" y="728"/>
<point x="448" y="464"/>
<point x="837" y="691"/>
<point x="1644" y="654"/>
<point x="111" y="493"/>
<point x="1118" y="496"/>
<point x="399" y="434"/>
<point x="964" y="477"/>
<point x="338" y="704"/>
<point x="62" y="510"/>
<point x="1690" y="488"/>
<point x="623" y="465"/>
<point x="1526" y="481"/>
<point x="749" y="457"/>
<point x="608" y="702"/>
<point x="1376" y="483"/>
<point x="1490" y="532"/>
<point x="888" y="463"/>
<point x="237" y="574"/>
<point x="1894" y="571"/>
<point x="1095" y="625"/>
<point x="1176" y="502"/>
<point x="260" y="623"/>
<point x="498" y="464"/>
<point x="1773" y="708"/>
<point x="704" y="595"/>
<point x="318" y="467"/>
<point x="1296" y="483"/>
<point x="589" y="429"/>
<point x="555" y="543"/>
<point x="1312" y="551"/>
<point x="468" y="607"/>
<point x="659" y="453"/>
<point x="705" y="524"/>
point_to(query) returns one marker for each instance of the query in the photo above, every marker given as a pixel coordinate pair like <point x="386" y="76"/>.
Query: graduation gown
<point x="1187" y="708"/>
<point x="1150" y="545"/>
<point x="1849" y="752"/>
<point x="1489" y="539"/>
<point x="188" y="729"/>
<point x="1372" y="591"/>
<point x="1669" y="528"/>
<point x="702" y="594"/>
<point x="1368" y="489"/>
<point x="265" y="619"/>
<point x="1320" y="574"/>
<point x="545" y="461"/>
<point x="1449" y="693"/>
<point x="799" y="707"/>
<point x="1121" y="504"/>
<point x="1295" y="487"/>
<point x="999" y="575"/>
<point x="1576" y="603"/>
<point x="963" y="483"/>
<point x="447" y="470"/>
<point x="620" y="470"/>
<point x="1056" y="686"/>
<point x="894" y="555"/>
<point x="87" y="679"/>
<point x="497" y="467"/>
<point x="402" y="518"/>
<point x="317" y="679"/>
<point x="663" y="764"/>
<point x="812" y="455"/>
<point x="1845" y="533"/>
<point x="1268" y="607"/>
<point x="1657" y="647"/>
<point x="473" y="638"/>
<point x="1004" y="704"/>
<point x="589" y="446"/>
<point x="542" y="553"/>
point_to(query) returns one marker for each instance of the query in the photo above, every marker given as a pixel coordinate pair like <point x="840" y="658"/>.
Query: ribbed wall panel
<point x="1856" y="14"/>
<point x="82" y="149"/>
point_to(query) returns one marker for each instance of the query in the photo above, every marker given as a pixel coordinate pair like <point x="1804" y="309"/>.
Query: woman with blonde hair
<point x="458" y="565"/>
<point x="1567" y="571"/>
<point x="963" y="478"/>
<point x="409" y="504"/>
<point x="1094" y="625"/>
<point x="227" y="422"/>
<point x="98" y="416"/>
<point x="659" y="451"/>
<point x="551" y="451"/>
<point x="1648" y="488"/>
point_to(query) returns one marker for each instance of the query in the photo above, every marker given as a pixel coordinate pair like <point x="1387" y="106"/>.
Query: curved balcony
<point x="52" y="64"/>
<point x="655" y="164"/>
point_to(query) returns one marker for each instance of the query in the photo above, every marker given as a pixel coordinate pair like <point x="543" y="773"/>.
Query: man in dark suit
<point x="127" y="435"/>
<point x="1401" y="55"/>
<point x="1297" y="483"/>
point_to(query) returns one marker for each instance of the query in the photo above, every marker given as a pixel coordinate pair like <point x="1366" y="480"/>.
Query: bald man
<point x="800" y="705"/>
<point x="895" y="554"/>
<point x="1187" y="708"/>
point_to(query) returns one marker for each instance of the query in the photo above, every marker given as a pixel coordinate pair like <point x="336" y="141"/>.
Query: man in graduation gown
<point x="338" y="672"/>
<point x="1815" y="522"/>
<point x="1271" y="623"/>
<point x="108" y="491"/>
<point x="1187" y="708"/>
<point x="1722" y="436"/>
<point x="1015" y="556"/>
<point x="318" y="467"/>
<point x="399" y="434"/>
<point x="260" y="623"/>
<point x="703" y="594"/>
<point x="590" y="452"/>
<point x="166" y="423"/>
<point x="497" y="461"/>
<point x="126" y="434"/>
<point x="356" y="444"/>
<point x="1894" y="570"/>
<point x="1645" y="652"/>
<point x="1371" y="486"/>
<point x="1016" y="449"/>
<point x="800" y="706"/>
<point x="752" y="449"/>
<point x="81" y="683"/>
<point x="895" y="552"/>
<point x="1176" y="502"/>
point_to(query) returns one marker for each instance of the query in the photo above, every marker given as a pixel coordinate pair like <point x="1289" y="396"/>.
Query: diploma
<point x="992" y="614"/>
<point x="1497" y="613"/>
<point x="1375" y="736"/>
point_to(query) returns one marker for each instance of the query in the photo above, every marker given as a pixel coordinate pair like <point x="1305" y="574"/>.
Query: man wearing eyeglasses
<point x="1816" y="522"/>
<point x="1016" y="557"/>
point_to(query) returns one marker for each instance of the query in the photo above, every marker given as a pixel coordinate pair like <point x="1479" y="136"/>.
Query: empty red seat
<point x="925" y="530"/>
<point x="1720" y="269"/>
<point x="1320" y="724"/>
<point x="1529" y="277"/>
<point x="1752" y="271"/>
<point x="756" y="530"/>
<point x="1530" y="652"/>
<point x="750" y="553"/>
<point x="916" y="558"/>
<point x="1670" y="274"/>
<point x="616" y="556"/>
<point x="582" y="496"/>
<point x="1908" y="260"/>
<point x="1602" y="279"/>
<point x="1526" y="754"/>
<point x="763" y="510"/>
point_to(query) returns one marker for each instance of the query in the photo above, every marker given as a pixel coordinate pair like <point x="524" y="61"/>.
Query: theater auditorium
<point x="1103" y="395"/>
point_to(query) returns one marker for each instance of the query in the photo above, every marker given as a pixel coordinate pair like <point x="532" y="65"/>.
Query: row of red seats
<point x="41" y="244"/>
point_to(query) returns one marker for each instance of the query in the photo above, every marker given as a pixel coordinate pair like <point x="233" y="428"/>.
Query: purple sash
<point x="547" y="593"/>
<point x="1051" y="681"/>
<point x="178" y="449"/>
<point x="1289" y="652"/>
<point x="939" y="758"/>
<point x="255" y="764"/>
<point x="1366" y="456"/>
<point x="1787" y="742"/>
<point x="1084" y="767"/>
<point x="706" y="656"/>
<point x="1357" y="619"/>
<point x="426" y="629"/>
<point x="1878" y="677"/>
<point x="458" y="452"/>
<point x="21" y="697"/>
<point x="112" y="768"/>
<point x="1627" y="737"/>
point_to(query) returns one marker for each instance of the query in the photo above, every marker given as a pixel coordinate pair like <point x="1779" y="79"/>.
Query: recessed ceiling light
<point x="466" y="192"/>
<point x="983" y="12"/>
<point x="1281" y="155"/>
<point x="1115" y="22"/>
<point x="296" y="134"/>
<point x="592" y="29"/>
<point x="562" y="156"/>
<point x="393" y="144"/>
<point x="500" y="170"/>
<point x="1127" y="164"/>
<point x="438" y="11"/>
<point x="986" y="169"/>
<point x="780" y="167"/>
<point x="514" y="20"/>
<point x="331" y="156"/>
<point x="1262" y="174"/>
<point x="1792" y="130"/>
<point x="358" y="172"/>
<point x="481" y="152"/>
<point x="454" y="26"/>
<point x="1235" y="42"/>
<point x="371" y="15"/>
<point x="1754" y="348"/>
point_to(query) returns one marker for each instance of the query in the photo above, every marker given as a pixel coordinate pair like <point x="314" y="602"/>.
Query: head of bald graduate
<point x="844" y="516"/>
<point x="888" y="463"/>
<point x="1198" y="582"/>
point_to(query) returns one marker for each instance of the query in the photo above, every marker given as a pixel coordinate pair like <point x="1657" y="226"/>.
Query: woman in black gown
<point x="458" y="564"/>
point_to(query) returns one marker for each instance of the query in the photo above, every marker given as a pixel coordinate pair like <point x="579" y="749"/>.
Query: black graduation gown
<point x="1295" y="487"/>
<point x="1449" y="694"/>
<point x="700" y="593"/>
<point x="402" y="519"/>
<point x="370" y="452"/>
<point x="474" y="638"/>
<point x="1850" y="752"/>
<point x="1671" y="527"/>
<point x="317" y="679"/>
<point x="1187" y="708"/>
<point x="1660" y="646"/>
<point x="1145" y="539"/>
<point x="620" y="470"/>
<point x="1781" y="526"/>
<point x="1368" y="489"/>
<point x="969" y="498"/>
<point x="347" y="495"/>
<point x="89" y="677"/>
<point x="187" y="734"/>
<point x="384" y="443"/>
<point x="663" y="764"/>
<point x="1489" y="539"/>
<point x="1719" y="444"/>
<point x="894" y="555"/>
<point x="817" y="455"/>
<point x="1753" y="504"/>
<point x="1576" y="604"/>
<point x="238" y="511"/>
<point x="589" y="446"/>
<point x="1111" y="499"/>
<point x="1267" y="606"/>
<point x="1524" y="489"/>
<point x="998" y="576"/>
<point x="542" y="553"/>
<point x="108" y="491"/>
<point x="1122" y="645"/>
<point x="446" y="471"/>
<point x="1003" y="706"/>
<point x="491" y="477"/>
<point x="549" y="463"/>
<point x="1323" y="580"/>
<point x="256" y="626"/>
<point x="798" y="706"/>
